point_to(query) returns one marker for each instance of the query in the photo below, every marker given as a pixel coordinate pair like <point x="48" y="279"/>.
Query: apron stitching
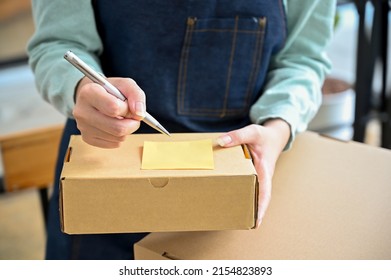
<point x="258" y="57"/>
<point x="183" y="64"/>
<point x="233" y="48"/>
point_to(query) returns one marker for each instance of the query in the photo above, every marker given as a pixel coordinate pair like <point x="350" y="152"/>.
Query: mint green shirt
<point x="293" y="83"/>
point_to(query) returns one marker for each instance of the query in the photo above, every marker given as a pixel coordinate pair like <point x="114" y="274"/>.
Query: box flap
<point x="91" y="162"/>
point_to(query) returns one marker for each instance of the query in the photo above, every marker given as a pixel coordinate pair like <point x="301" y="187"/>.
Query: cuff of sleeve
<point x="73" y="78"/>
<point x="288" y="115"/>
<point x="69" y="99"/>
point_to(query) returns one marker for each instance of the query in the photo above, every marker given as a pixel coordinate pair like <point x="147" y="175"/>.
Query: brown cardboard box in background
<point x="105" y="191"/>
<point x="331" y="200"/>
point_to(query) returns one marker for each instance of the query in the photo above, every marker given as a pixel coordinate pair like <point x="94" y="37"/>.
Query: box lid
<point x="86" y="161"/>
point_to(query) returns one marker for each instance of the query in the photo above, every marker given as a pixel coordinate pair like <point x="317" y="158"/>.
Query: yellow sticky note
<point x="178" y="155"/>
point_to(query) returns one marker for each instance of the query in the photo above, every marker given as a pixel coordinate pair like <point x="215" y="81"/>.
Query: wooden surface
<point x="12" y="8"/>
<point x="29" y="157"/>
<point x="16" y="28"/>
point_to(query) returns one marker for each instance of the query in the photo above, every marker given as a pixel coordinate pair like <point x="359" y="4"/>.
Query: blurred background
<point x="23" y="112"/>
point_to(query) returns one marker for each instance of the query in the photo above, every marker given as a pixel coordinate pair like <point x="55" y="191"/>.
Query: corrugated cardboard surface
<point x="105" y="191"/>
<point x="331" y="200"/>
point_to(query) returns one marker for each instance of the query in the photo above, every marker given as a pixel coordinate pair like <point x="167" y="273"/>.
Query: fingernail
<point x="224" y="140"/>
<point x="140" y="109"/>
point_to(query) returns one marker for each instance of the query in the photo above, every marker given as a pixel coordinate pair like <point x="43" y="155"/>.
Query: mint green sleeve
<point x="293" y="85"/>
<point x="61" y="26"/>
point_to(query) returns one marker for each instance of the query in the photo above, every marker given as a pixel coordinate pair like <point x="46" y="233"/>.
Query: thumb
<point x="235" y="137"/>
<point x="123" y="108"/>
<point x="224" y="140"/>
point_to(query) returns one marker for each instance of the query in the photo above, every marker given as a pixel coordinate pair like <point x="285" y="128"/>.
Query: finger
<point x="116" y="132"/>
<point x="246" y="135"/>
<point x="100" y="138"/>
<point x="101" y="143"/>
<point x="94" y="95"/>
<point x="88" y="117"/>
<point x="265" y="188"/>
<point x="92" y="122"/>
<point x="263" y="204"/>
<point x="135" y="96"/>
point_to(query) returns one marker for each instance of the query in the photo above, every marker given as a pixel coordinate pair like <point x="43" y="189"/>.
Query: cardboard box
<point x="331" y="200"/>
<point x="105" y="191"/>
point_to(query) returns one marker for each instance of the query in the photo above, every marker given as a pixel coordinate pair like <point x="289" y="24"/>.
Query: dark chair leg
<point x="369" y="51"/>
<point x="385" y="109"/>
<point x="43" y="193"/>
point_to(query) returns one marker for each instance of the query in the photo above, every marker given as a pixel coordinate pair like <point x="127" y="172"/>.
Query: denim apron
<point x="201" y="63"/>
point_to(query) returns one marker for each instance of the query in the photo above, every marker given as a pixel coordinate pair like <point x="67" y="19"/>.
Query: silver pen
<point x="100" y="79"/>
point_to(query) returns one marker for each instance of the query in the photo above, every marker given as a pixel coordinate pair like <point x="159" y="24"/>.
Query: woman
<point x="250" y="69"/>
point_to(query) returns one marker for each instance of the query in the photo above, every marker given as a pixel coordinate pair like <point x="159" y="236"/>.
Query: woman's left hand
<point x="265" y="143"/>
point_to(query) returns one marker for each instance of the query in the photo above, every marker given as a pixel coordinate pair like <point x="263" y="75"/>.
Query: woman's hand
<point x="265" y="143"/>
<point x="104" y="120"/>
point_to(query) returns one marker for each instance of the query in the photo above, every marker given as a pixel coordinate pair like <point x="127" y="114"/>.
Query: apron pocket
<point x="219" y="68"/>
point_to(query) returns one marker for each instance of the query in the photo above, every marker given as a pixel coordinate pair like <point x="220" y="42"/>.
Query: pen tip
<point x="163" y="130"/>
<point x="166" y="132"/>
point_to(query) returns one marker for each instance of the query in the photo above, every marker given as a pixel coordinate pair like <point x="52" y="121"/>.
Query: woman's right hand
<point x="104" y="120"/>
